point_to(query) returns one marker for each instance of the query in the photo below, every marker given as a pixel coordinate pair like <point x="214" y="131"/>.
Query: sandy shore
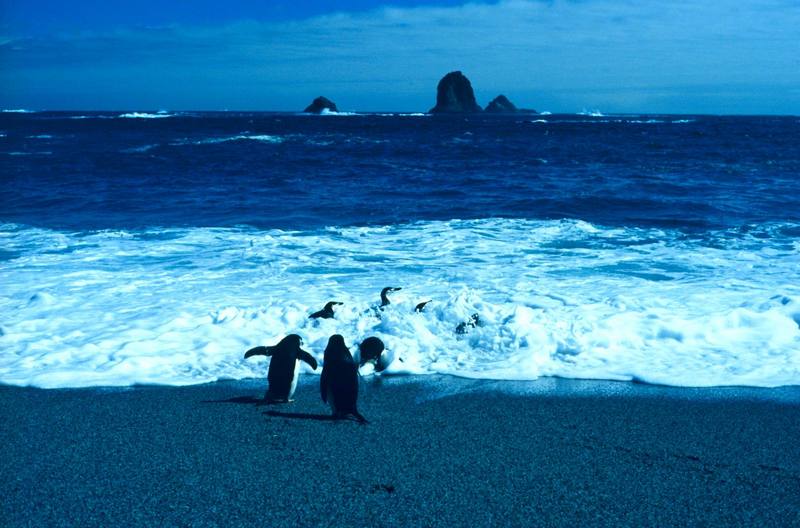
<point x="438" y="452"/>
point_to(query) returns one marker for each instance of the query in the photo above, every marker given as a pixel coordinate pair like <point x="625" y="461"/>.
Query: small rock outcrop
<point x="319" y="105"/>
<point x="454" y="95"/>
<point x="501" y="105"/>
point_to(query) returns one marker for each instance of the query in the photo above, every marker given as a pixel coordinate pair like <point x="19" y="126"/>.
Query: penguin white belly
<point x="295" y="377"/>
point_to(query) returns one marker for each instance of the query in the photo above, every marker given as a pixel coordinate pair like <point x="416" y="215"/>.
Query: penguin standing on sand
<point x="284" y="368"/>
<point x="325" y="313"/>
<point x="338" y="384"/>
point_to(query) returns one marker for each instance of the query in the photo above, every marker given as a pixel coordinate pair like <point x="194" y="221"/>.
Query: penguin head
<point x="370" y="349"/>
<point x="384" y="299"/>
<point x="291" y="341"/>
<point x="336" y="350"/>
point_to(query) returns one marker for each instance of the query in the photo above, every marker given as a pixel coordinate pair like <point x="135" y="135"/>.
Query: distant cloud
<point x="676" y="56"/>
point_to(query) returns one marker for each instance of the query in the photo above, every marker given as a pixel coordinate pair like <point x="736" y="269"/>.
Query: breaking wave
<point x="553" y="298"/>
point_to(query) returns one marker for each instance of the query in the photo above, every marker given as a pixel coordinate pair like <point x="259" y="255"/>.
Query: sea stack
<point x="454" y="95"/>
<point x="501" y="105"/>
<point x="319" y="105"/>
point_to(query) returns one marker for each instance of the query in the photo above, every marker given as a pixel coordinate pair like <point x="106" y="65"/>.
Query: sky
<point x="666" y="56"/>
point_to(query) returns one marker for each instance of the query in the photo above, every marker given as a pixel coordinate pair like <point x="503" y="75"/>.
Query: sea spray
<point x="554" y="298"/>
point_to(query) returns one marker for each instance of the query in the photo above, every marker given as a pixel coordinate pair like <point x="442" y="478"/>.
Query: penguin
<point x="421" y="306"/>
<point x="384" y="297"/>
<point x="371" y="350"/>
<point x="463" y="328"/>
<point x="338" y="384"/>
<point x="284" y="367"/>
<point x="325" y="313"/>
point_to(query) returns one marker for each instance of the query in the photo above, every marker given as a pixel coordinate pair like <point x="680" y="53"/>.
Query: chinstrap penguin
<point x="385" y="295"/>
<point x="338" y="384"/>
<point x="463" y="328"/>
<point x="284" y="367"/>
<point x="372" y="350"/>
<point x="325" y="313"/>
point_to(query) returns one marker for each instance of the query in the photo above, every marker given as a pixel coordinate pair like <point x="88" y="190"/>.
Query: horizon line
<point x="351" y="113"/>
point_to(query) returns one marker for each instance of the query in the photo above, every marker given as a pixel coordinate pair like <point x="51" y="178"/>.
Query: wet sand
<point x="438" y="451"/>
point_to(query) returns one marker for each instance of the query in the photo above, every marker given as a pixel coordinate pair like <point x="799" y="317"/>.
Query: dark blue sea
<point x="157" y="247"/>
<point x="97" y="171"/>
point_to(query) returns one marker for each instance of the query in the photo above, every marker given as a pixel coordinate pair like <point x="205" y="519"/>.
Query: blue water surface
<point x="88" y="171"/>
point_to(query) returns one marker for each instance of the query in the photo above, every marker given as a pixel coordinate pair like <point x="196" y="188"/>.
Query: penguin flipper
<point x="258" y="351"/>
<point x="308" y="358"/>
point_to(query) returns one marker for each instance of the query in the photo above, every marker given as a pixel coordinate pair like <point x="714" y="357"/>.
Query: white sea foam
<point x="17" y="111"/>
<point x="146" y="115"/>
<point x="41" y="136"/>
<point x="143" y="148"/>
<point x="650" y="121"/>
<point x="327" y="112"/>
<point x="555" y="298"/>
<point x="413" y="114"/>
<point x="240" y="137"/>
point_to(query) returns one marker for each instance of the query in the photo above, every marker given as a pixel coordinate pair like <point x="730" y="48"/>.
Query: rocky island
<point x="319" y="105"/>
<point x="454" y="95"/>
<point x="501" y="105"/>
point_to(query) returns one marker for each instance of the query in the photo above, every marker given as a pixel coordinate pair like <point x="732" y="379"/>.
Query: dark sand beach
<point x="437" y="452"/>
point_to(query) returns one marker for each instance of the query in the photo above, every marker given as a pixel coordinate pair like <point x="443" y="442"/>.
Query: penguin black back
<point x="284" y="366"/>
<point x="326" y="312"/>
<point x="370" y="349"/>
<point x="338" y="383"/>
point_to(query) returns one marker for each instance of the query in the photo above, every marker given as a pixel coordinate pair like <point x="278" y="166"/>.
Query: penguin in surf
<point x="371" y="350"/>
<point x="326" y="312"/>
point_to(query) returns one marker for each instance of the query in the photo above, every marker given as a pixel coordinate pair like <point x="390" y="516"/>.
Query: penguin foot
<point x="354" y="416"/>
<point x="277" y="400"/>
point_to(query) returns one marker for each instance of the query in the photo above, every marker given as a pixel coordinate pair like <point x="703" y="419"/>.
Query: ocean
<point x="157" y="247"/>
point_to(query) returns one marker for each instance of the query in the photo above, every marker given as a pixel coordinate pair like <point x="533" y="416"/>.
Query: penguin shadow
<point x="301" y="416"/>
<point x="260" y="402"/>
<point x="245" y="400"/>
